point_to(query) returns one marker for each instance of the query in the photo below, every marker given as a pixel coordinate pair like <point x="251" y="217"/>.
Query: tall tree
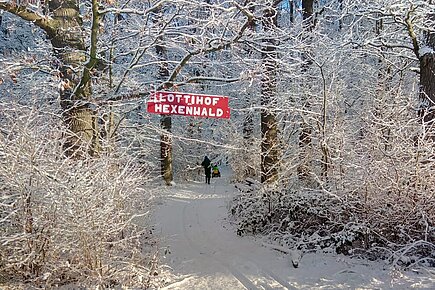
<point x="165" y="120"/>
<point x="248" y="120"/>
<point x="269" y="124"/>
<point x="426" y="54"/>
<point x="64" y="28"/>
<point x="306" y="131"/>
<point x="423" y="47"/>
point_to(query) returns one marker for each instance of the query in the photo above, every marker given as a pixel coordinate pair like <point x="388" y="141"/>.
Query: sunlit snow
<point x="204" y="252"/>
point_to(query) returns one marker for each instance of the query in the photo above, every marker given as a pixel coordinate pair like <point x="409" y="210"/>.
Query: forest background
<point x="331" y="113"/>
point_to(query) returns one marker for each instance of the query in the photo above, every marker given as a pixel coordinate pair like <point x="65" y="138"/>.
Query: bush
<point x="400" y="232"/>
<point x="64" y="221"/>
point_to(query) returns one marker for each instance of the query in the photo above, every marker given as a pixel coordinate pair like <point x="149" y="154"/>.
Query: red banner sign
<point x="196" y="105"/>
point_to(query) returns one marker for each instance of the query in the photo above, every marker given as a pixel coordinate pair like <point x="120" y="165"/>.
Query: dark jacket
<point x="206" y="163"/>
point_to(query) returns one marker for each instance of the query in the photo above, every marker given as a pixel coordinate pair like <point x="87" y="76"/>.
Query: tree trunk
<point x="63" y="27"/>
<point x="340" y="21"/>
<point x="269" y="125"/>
<point x="69" y="47"/>
<point x="427" y="79"/>
<point x="307" y="12"/>
<point x="292" y="11"/>
<point x="248" y="118"/>
<point x="306" y="131"/>
<point x="383" y="94"/>
<point x="165" y="122"/>
<point x="166" y="150"/>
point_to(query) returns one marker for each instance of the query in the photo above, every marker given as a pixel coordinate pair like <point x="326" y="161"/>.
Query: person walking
<point x="206" y="163"/>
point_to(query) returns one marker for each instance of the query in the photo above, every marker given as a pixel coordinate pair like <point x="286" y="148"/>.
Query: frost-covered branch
<point x="145" y="12"/>
<point x="46" y="23"/>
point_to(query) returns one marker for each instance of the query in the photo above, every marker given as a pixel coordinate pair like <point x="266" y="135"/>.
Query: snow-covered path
<point x="203" y="251"/>
<point x="206" y="253"/>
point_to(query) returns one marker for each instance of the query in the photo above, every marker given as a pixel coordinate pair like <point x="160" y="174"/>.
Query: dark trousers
<point x="207" y="177"/>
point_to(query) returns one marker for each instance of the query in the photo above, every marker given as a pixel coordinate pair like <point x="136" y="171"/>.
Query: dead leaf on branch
<point x="110" y="2"/>
<point x="13" y="77"/>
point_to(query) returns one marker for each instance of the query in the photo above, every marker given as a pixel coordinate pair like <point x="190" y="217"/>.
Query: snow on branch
<point x="25" y="12"/>
<point x="153" y="8"/>
<point x="424" y="49"/>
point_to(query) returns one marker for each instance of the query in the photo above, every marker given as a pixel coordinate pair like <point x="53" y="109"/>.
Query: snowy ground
<point x="203" y="252"/>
